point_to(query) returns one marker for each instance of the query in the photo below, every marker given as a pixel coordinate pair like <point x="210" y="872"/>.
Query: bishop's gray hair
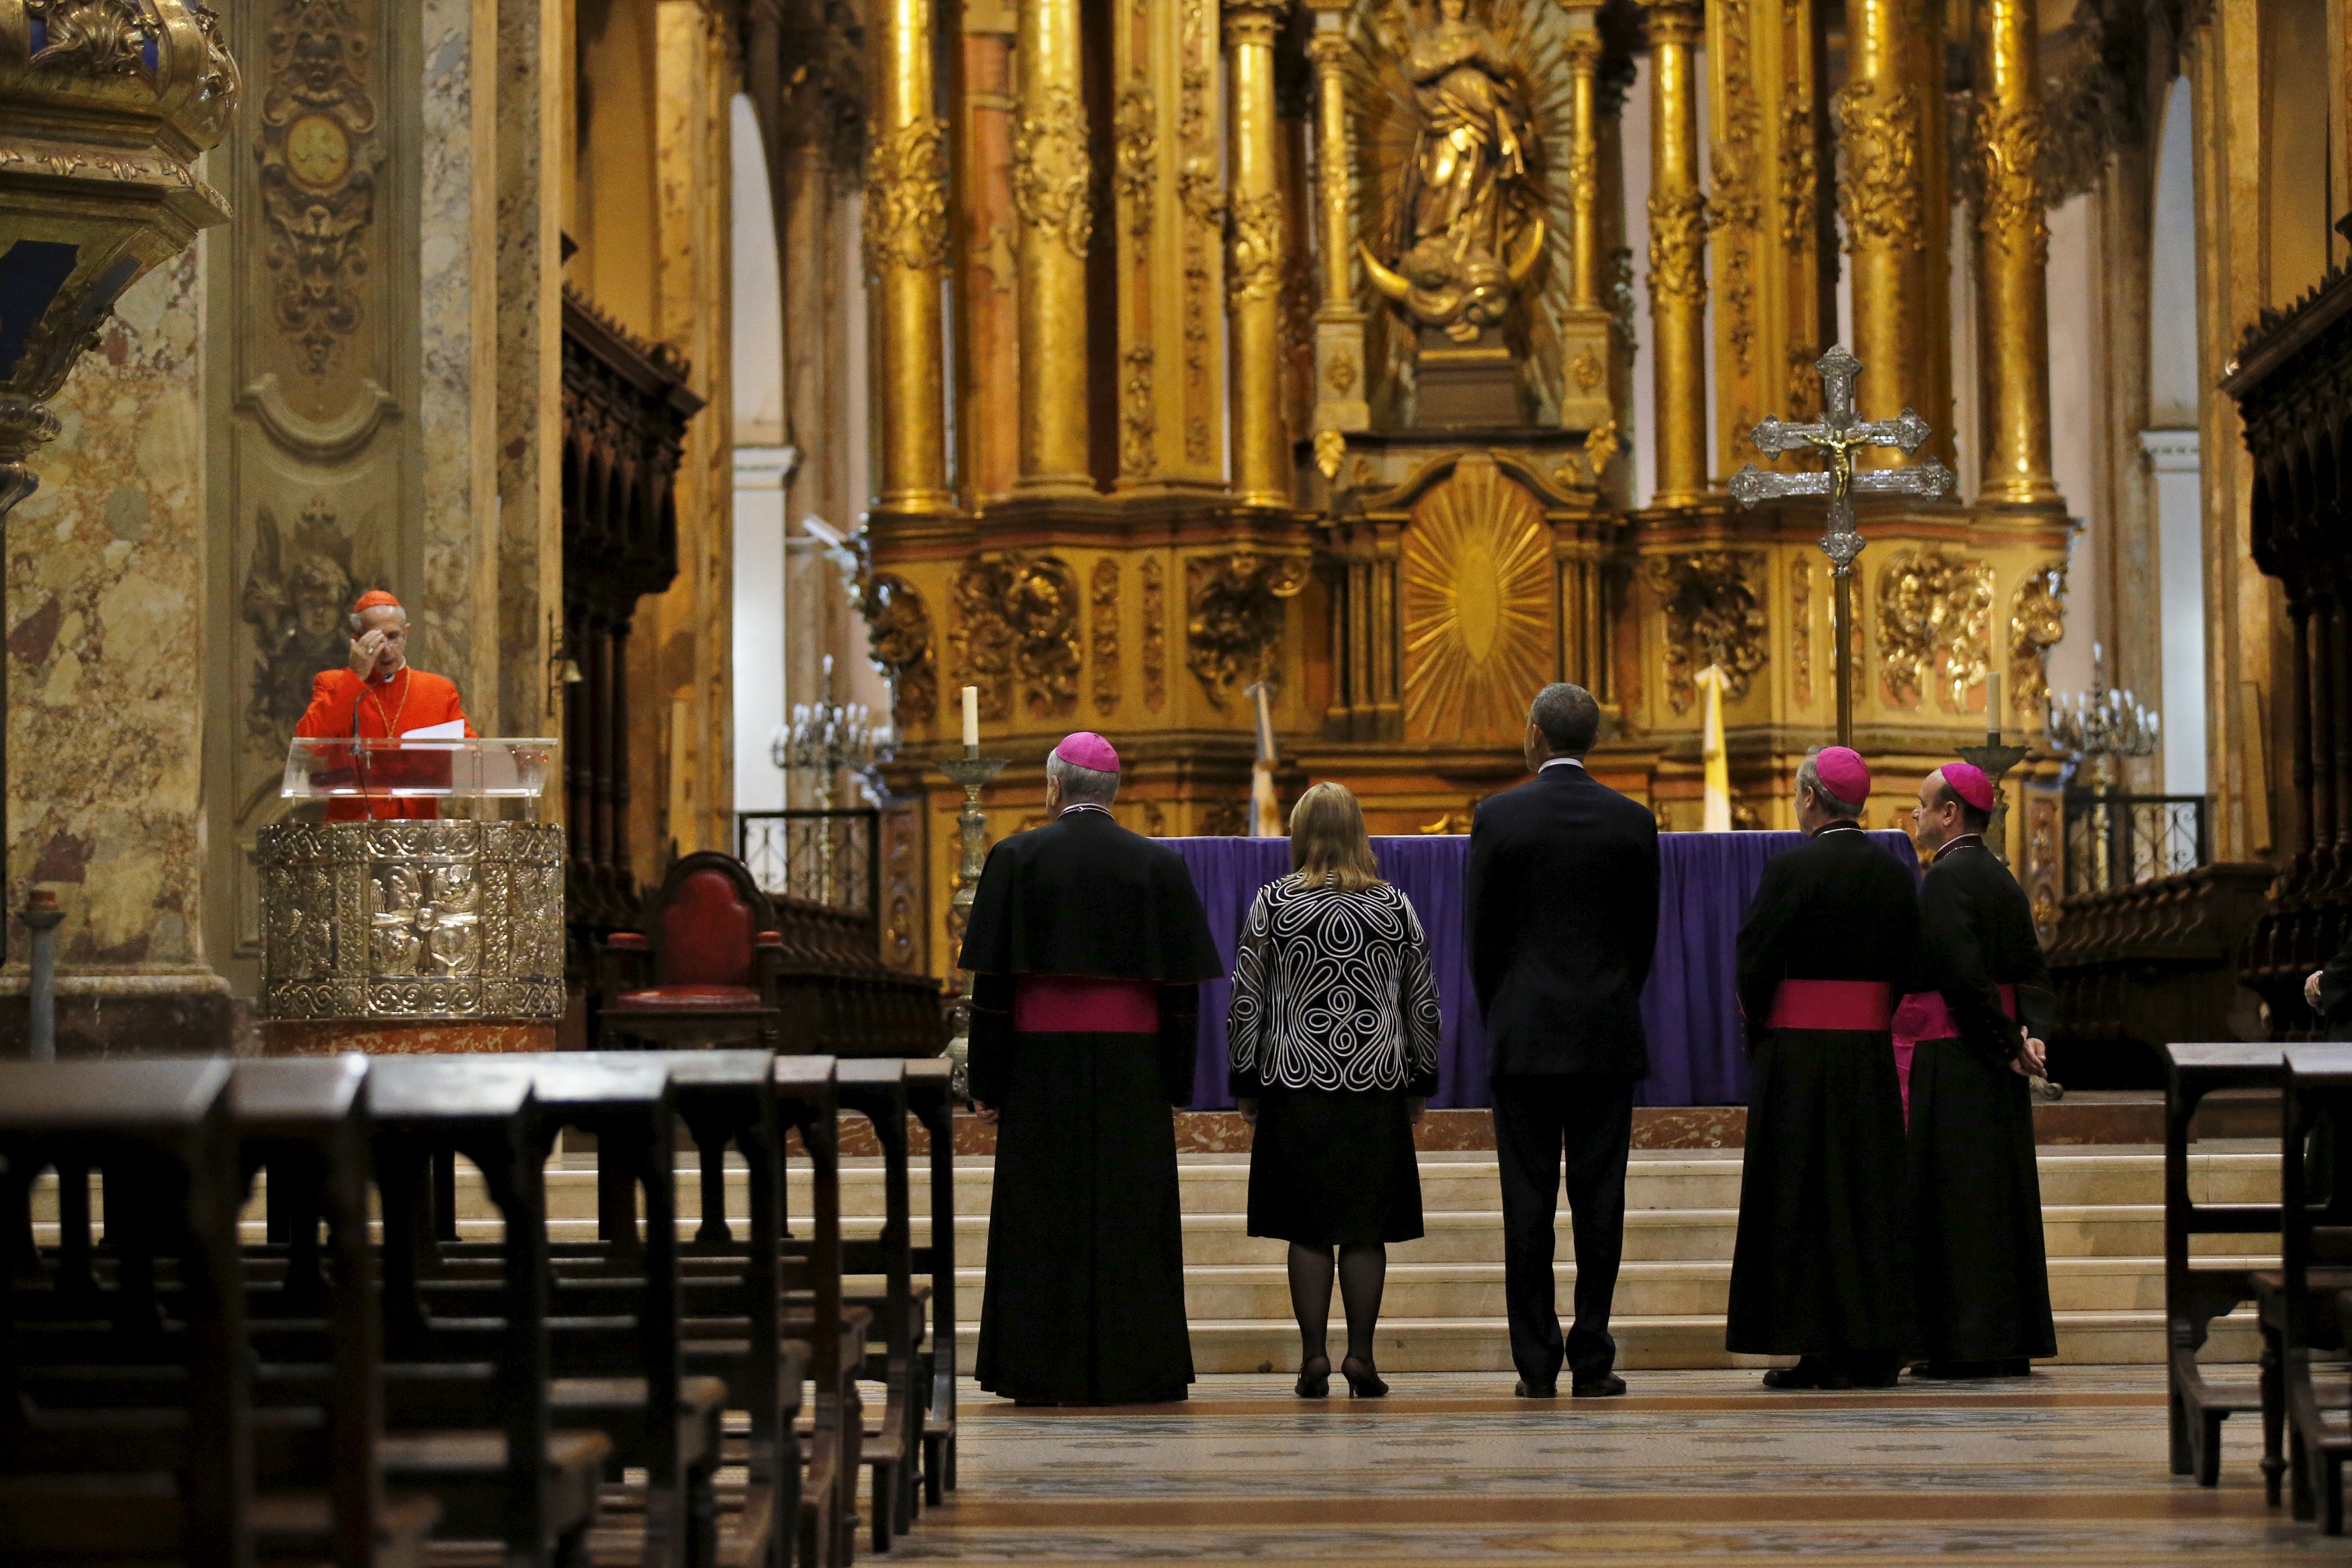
<point x="1081" y="786"/>
<point x="1809" y="777"/>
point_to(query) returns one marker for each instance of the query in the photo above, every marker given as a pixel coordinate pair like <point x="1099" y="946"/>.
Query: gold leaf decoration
<point x="1330" y="447"/>
<point x="1935" y="626"/>
<point x="1253" y="247"/>
<point x="1714" y="613"/>
<point x="899" y="629"/>
<point x="1138" y="430"/>
<point x="1155" y="632"/>
<point x="1016" y="628"/>
<point x="2037" y="619"/>
<point x="1679" y="246"/>
<point x="1135" y="166"/>
<point x="1799" y="170"/>
<point x="1053" y="173"/>
<point x="906" y="222"/>
<point x="1880" y="195"/>
<point x="1234" y="617"/>
<point x="1103" y="623"/>
<point x="1801" y="630"/>
<point x="1475" y="591"/>
<point x="2012" y="213"/>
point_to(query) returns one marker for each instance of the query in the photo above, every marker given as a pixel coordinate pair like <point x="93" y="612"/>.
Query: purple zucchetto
<point x="1086" y="750"/>
<point x="1843" y="773"/>
<point x="1968" y="782"/>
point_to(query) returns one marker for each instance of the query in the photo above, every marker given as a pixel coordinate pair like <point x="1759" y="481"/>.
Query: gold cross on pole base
<point x="1838" y="435"/>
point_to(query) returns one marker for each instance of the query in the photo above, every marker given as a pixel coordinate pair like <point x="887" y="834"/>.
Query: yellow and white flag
<point x="1715" y="816"/>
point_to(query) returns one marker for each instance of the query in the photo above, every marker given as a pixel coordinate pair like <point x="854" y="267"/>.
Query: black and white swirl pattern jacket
<point x="1332" y="990"/>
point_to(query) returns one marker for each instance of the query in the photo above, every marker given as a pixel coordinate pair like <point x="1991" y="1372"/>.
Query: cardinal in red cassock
<point x="378" y="697"/>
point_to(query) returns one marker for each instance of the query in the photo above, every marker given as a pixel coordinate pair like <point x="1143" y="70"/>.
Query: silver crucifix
<point x="1840" y="434"/>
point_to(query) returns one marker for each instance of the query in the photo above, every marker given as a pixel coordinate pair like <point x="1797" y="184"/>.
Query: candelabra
<point x="972" y="771"/>
<point x="825" y="739"/>
<point x="2103" y="724"/>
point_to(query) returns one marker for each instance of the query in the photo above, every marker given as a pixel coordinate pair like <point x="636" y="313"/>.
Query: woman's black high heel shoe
<point x="1315" y="1385"/>
<point x="1363" y="1383"/>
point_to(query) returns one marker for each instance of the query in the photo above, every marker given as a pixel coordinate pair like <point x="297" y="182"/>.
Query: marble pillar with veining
<point x="107" y="565"/>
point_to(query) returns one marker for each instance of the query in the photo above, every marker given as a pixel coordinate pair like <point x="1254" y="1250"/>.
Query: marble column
<point x="1255" y="256"/>
<point x="1053" y="186"/>
<point x="1678" y="222"/>
<point x="906" y="248"/>
<point x="2013" y="250"/>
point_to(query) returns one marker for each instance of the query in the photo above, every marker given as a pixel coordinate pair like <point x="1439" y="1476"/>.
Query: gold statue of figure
<point x="1465" y="236"/>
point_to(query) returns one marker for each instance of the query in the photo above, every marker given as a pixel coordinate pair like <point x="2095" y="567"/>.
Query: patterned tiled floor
<point x="1692" y="1468"/>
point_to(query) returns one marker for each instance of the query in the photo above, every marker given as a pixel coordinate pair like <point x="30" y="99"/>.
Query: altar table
<point x="1699" y="1052"/>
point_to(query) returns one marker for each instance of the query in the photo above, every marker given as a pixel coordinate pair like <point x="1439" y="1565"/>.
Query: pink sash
<point x="1924" y="1015"/>
<point x="1081" y="1004"/>
<point x="1862" y="1006"/>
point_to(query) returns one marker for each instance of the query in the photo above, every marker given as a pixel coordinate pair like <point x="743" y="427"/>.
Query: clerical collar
<point x="371" y="679"/>
<point x="1552" y="762"/>
<point x="1961" y="840"/>
<point x="1076" y="806"/>
<point x="1838" y="825"/>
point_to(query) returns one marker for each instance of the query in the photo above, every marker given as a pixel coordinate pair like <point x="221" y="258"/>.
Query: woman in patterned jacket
<point x="1333" y="1042"/>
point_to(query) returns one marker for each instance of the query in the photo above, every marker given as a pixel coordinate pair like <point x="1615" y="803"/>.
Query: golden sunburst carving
<point x="1477" y="585"/>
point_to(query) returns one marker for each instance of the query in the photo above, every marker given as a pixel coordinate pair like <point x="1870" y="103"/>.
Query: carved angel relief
<point x="1713" y="606"/>
<point x="1017" y="626"/>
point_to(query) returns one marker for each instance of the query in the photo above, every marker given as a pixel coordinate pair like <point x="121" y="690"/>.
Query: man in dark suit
<point x="1562" y="908"/>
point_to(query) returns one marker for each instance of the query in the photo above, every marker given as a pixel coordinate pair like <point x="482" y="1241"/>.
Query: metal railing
<point x="2115" y="839"/>
<point x="827" y="857"/>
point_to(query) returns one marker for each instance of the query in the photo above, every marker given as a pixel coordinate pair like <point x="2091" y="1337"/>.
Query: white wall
<point x="2175" y="380"/>
<point x="763" y="463"/>
<point x="2073" y="429"/>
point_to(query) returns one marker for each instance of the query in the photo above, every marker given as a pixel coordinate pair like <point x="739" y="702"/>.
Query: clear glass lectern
<point x="391" y="910"/>
<point x="341" y="768"/>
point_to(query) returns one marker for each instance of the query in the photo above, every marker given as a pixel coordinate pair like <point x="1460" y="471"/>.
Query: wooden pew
<point x="117" y="1486"/>
<point x="305" y="1121"/>
<point x="876" y="1090"/>
<point x="931" y="1100"/>
<point x="808" y="1102"/>
<point x="723" y="1097"/>
<point x="2314" y="1281"/>
<point x="2194" y="1296"/>
<point x="487" y="1448"/>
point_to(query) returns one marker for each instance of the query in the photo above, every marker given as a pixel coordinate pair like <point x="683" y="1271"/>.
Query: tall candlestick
<point x="971" y="719"/>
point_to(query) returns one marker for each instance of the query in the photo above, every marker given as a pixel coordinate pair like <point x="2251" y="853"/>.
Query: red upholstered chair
<point x="704" y="970"/>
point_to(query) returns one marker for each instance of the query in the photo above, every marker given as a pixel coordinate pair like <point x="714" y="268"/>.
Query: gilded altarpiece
<point x="317" y="491"/>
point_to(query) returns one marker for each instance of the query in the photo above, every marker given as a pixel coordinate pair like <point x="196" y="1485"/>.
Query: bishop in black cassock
<point x="1088" y="945"/>
<point x="1822" y="1269"/>
<point x="1976" y="1195"/>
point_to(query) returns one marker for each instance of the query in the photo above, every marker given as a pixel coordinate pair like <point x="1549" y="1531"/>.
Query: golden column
<point x="906" y="253"/>
<point x="1677" y="255"/>
<point x="1053" y="186"/>
<point x="1253" y="256"/>
<point x="1584" y="163"/>
<point x="1882" y="195"/>
<point x="2013" y="248"/>
<point x="1339" y="403"/>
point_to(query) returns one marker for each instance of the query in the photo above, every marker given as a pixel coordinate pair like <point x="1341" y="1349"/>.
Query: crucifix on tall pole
<point x="1840" y="434"/>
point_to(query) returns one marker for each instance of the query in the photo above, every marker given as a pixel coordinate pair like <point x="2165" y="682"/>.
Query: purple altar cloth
<point x="1699" y="1052"/>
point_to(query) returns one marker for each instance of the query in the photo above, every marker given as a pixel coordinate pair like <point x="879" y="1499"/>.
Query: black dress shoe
<point x="1810" y="1372"/>
<point x="1608" y="1385"/>
<point x="1527" y="1390"/>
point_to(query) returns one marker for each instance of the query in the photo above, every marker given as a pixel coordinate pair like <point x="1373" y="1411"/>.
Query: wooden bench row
<point x="343" y="1392"/>
<point x="2303" y="1308"/>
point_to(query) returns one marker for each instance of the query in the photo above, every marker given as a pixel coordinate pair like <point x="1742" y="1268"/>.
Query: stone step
<point x="1483" y="1345"/>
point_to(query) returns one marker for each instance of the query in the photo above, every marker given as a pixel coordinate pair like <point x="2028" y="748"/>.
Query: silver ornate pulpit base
<point x="412" y="921"/>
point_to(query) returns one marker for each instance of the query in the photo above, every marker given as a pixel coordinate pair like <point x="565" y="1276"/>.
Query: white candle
<point x="971" y="718"/>
<point x="1993" y="700"/>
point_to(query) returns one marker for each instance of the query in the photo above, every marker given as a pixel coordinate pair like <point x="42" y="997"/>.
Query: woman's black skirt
<point x="1334" y="1167"/>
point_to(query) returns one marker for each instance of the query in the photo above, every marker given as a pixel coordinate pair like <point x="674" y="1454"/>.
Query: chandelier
<point x="828" y="738"/>
<point x="2103" y="724"/>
